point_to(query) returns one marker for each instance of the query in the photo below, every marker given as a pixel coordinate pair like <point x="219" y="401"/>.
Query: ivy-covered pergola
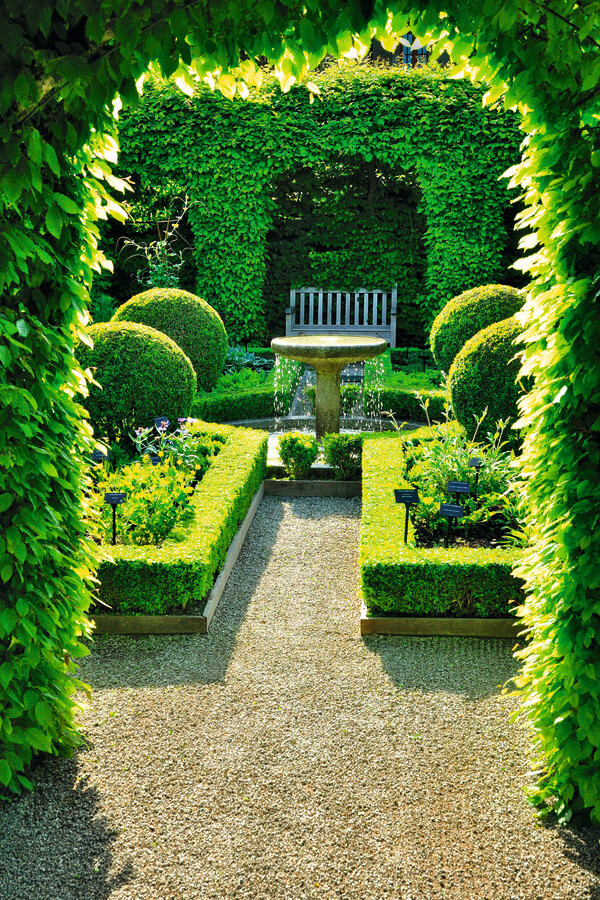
<point x="64" y="64"/>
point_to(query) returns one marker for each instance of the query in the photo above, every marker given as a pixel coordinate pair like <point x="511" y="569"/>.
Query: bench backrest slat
<point x="318" y="311"/>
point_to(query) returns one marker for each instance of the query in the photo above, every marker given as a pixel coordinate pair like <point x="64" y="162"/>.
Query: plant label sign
<point x="406" y="496"/>
<point x="459" y="487"/>
<point x="452" y="510"/>
<point x="476" y="462"/>
<point x="99" y="456"/>
<point x="114" y="499"/>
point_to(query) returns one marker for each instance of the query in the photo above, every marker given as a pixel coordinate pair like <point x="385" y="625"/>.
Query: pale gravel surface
<point x="283" y="756"/>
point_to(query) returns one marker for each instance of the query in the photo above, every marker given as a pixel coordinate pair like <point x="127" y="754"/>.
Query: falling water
<point x="372" y="395"/>
<point x="287" y="374"/>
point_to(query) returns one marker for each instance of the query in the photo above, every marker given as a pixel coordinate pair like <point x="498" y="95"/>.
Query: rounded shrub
<point x="484" y="374"/>
<point x="142" y="374"/>
<point x="465" y="315"/>
<point x="189" y="321"/>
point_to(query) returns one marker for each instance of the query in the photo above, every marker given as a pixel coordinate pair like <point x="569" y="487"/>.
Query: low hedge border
<point x="159" y="580"/>
<point x="258" y="403"/>
<point x="383" y="394"/>
<point x="404" y="580"/>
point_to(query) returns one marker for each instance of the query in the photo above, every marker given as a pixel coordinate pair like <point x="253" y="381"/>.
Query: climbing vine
<point x="63" y="65"/>
<point x="226" y="154"/>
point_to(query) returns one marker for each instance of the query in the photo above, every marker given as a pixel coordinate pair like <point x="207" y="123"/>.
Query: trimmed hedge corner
<point x="405" y="580"/>
<point x="151" y="580"/>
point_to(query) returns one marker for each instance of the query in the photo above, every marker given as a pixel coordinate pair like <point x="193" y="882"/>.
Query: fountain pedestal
<point x="328" y="354"/>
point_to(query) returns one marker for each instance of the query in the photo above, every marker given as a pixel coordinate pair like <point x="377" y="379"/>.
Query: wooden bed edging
<point x="182" y="624"/>
<point x="327" y="488"/>
<point x="422" y="627"/>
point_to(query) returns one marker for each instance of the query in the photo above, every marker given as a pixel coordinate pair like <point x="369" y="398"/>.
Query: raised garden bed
<point x="156" y="581"/>
<point x="402" y="582"/>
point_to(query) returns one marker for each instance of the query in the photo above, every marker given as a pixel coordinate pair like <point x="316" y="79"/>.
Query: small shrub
<point x="298" y="452"/>
<point x="157" y="498"/>
<point x="467" y="314"/>
<point x="343" y="452"/>
<point x="189" y="321"/>
<point x="484" y="376"/>
<point x="141" y="373"/>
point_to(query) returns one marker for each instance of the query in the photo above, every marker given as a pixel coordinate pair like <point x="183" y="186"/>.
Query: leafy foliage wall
<point x="63" y="64"/>
<point x="373" y="123"/>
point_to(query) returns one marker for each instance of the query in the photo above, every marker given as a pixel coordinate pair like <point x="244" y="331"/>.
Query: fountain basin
<point x="328" y="354"/>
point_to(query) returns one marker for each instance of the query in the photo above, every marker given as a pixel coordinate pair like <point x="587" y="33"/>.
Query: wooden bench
<point x="369" y="311"/>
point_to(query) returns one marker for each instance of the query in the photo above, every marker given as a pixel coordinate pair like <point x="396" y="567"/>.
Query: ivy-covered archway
<point x="63" y="65"/>
<point x="225" y="154"/>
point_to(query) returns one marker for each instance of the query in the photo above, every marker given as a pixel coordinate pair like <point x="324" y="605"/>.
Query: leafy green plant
<point x="187" y="443"/>
<point x="102" y="308"/>
<point x="298" y="452"/>
<point x="344" y="453"/>
<point x="157" y="498"/>
<point x="239" y="358"/>
<point x="163" y="261"/>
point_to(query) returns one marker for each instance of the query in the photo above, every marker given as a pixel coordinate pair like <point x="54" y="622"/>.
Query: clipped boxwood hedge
<point x="404" y="580"/>
<point x="256" y="403"/>
<point x="386" y="392"/>
<point x="142" y="373"/>
<point x="189" y="321"/>
<point x="159" y="580"/>
<point x="484" y="375"/>
<point x="465" y="315"/>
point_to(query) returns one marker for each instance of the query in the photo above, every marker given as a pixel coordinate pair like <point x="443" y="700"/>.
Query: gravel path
<point x="282" y="756"/>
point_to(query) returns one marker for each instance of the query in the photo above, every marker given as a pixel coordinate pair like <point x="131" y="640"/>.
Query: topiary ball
<point x="142" y="374"/>
<point x="465" y="315"/>
<point x="189" y="321"/>
<point x="484" y="374"/>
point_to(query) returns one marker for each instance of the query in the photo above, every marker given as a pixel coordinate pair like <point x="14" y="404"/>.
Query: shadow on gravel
<point x="582" y="846"/>
<point x="162" y="660"/>
<point x="474" y="667"/>
<point x="55" y="844"/>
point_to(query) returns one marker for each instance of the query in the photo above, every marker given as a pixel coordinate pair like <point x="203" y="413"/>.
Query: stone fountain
<point x="328" y="354"/>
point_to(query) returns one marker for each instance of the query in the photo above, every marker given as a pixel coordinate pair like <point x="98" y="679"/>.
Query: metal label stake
<point x="450" y="511"/>
<point x="408" y="497"/>
<point x="114" y="500"/>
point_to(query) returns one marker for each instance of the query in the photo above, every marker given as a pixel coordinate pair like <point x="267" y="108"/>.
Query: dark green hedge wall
<point x="428" y="155"/>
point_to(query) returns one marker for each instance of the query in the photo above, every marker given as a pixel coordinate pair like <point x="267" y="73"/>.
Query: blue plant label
<point x="452" y="510"/>
<point x="459" y="487"/>
<point x="114" y="499"/>
<point x="476" y="462"/>
<point x="161" y="423"/>
<point x="406" y="496"/>
<point x="99" y="456"/>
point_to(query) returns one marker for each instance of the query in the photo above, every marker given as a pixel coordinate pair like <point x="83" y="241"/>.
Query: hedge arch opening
<point x="65" y="65"/>
<point x="346" y="224"/>
<point x="232" y="157"/>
